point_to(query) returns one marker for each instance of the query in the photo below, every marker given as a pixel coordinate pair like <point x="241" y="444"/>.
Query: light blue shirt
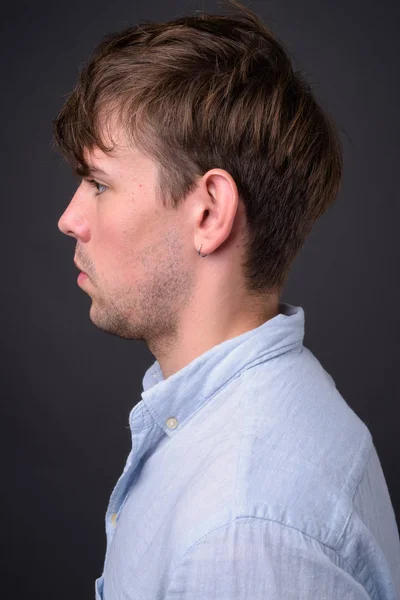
<point x="250" y="478"/>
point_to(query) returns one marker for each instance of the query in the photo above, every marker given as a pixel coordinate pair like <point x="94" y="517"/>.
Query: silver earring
<point x="202" y="255"/>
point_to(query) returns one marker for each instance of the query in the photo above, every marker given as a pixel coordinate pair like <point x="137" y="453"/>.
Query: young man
<point x="250" y="476"/>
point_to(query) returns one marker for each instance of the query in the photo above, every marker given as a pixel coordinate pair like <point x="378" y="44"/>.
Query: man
<point x="205" y="161"/>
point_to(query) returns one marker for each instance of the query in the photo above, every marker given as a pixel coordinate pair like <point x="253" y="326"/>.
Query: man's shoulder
<point x="303" y="449"/>
<point x="281" y="437"/>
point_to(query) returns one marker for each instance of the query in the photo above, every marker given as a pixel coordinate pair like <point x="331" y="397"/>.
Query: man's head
<point x="208" y="137"/>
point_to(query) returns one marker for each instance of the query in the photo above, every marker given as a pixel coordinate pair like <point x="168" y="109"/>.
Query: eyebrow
<point x="88" y="169"/>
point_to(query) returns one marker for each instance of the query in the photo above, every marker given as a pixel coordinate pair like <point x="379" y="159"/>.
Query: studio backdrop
<point x="66" y="387"/>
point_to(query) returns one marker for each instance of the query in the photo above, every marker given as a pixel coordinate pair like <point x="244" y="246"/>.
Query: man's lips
<point x="78" y="267"/>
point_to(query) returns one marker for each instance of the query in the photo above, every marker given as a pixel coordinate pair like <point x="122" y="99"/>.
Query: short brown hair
<point x="210" y="91"/>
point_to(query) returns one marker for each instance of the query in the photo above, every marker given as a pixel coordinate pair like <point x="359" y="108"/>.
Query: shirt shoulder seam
<point x="285" y="525"/>
<point x="367" y="439"/>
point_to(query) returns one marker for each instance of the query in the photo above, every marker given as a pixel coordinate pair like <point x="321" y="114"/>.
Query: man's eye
<point x="97" y="185"/>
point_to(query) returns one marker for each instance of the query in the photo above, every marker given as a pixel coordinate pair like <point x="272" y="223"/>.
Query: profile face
<point x="133" y="250"/>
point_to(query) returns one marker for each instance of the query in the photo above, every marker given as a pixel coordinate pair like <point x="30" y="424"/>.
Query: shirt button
<point x="114" y="519"/>
<point x="172" y="423"/>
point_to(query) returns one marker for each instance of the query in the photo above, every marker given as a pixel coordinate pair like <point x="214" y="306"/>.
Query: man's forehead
<point x="118" y="155"/>
<point x="94" y="155"/>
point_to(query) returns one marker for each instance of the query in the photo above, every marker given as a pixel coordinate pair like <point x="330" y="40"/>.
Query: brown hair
<point x="209" y="91"/>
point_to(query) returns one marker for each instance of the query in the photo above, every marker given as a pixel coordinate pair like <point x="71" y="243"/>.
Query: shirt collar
<point x="184" y="392"/>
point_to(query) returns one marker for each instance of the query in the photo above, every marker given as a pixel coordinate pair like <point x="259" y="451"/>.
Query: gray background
<point x="67" y="388"/>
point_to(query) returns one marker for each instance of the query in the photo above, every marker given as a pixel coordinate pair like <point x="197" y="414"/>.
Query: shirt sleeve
<point x="258" y="559"/>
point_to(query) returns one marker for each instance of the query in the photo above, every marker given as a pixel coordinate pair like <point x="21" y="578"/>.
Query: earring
<point x="202" y="255"/>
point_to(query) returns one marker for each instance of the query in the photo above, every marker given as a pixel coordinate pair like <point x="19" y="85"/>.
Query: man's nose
<point x="65" y="223"/>
<point x="73" y="221"/>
